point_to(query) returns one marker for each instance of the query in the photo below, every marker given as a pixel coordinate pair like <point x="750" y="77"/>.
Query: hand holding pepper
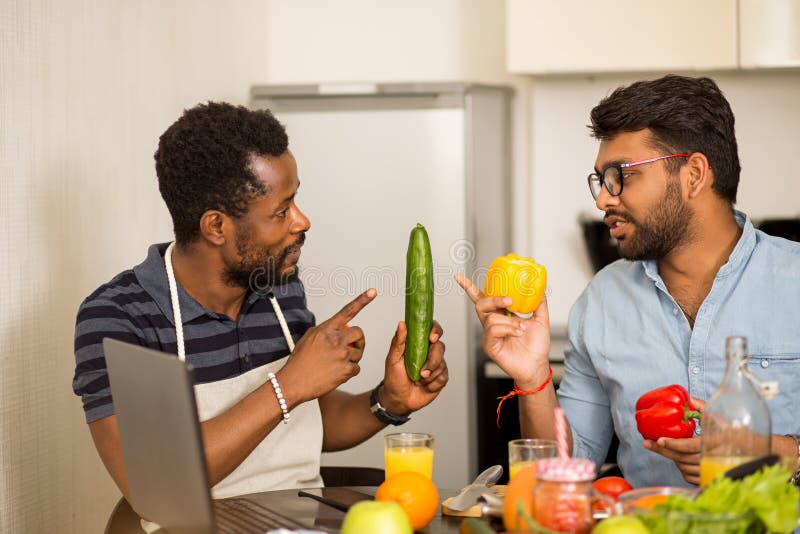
<point x="666" y="412"/>
<point x="517" y="277"/>
<point x="520" y="346"/>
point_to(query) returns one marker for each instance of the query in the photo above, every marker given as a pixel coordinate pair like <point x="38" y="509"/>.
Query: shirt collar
<point x="741" y="252"/>
<point x="744" y="248"/>
<point x="152" y="275"/>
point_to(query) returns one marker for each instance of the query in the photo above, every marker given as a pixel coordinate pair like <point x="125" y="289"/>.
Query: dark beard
<point x="665" y="229"/>
<point x="258" y="270"/>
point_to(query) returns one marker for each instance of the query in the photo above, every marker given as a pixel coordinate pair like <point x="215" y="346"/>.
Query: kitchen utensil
<point x="469" y="496"/>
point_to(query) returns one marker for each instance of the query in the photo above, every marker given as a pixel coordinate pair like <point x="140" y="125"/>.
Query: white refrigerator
<point x="374" y="160"/>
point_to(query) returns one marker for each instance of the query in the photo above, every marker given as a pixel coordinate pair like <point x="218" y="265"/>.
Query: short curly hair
<point x="203" y="162"/>
<point x="685" y="114"/>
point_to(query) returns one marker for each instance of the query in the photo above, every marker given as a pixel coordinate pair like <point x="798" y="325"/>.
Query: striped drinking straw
<point x="561" y="432"/>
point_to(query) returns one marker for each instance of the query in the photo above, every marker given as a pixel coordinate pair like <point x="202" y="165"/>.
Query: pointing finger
<point x="473" y="292"/>
<point x="352" y="308"/>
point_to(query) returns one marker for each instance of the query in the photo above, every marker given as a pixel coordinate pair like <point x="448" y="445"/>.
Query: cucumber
<point x="419" y="300"/>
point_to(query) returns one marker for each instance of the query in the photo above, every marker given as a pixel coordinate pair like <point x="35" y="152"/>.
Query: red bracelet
<point x="516" y="391"/>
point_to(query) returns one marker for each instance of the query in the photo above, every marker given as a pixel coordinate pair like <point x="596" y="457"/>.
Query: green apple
<point x="621" y="524"/>
<point x="376" y="517"/>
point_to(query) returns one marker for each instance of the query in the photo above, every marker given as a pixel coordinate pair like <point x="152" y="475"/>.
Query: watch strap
<point x="382" y="414"/>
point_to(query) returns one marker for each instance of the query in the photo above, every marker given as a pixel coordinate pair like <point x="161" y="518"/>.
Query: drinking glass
<point x="409" y="451"/>
<point x="524" y="452"/>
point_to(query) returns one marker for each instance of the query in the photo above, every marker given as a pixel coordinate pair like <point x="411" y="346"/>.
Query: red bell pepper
<point x="666" y="412"/>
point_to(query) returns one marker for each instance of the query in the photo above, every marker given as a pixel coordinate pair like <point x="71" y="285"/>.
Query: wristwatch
<point x="382" y="414"/>
<point x="796" y="476"/>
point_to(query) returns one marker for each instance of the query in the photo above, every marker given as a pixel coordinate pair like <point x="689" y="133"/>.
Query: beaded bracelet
<point x="278" y="393"/>
<point x="516" y="391"/>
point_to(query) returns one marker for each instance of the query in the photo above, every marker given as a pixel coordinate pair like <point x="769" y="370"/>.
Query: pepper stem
<point x="508" y="313"/>
<point x="691" y="414"/>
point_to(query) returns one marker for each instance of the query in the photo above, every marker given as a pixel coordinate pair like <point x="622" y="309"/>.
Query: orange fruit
<point x="415" y="493"/>
<point x="649" y="501"/>
<point x="519" y="489"/>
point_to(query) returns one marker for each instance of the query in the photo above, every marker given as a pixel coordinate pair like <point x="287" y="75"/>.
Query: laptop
<point x="162" y="448"/>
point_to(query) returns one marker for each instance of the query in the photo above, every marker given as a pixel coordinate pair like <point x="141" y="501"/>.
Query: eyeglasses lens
<point x="594" y="184"/>
<point x="612" y="179"/>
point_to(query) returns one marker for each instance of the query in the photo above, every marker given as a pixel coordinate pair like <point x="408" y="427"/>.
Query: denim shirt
<point x="627" y="336"/>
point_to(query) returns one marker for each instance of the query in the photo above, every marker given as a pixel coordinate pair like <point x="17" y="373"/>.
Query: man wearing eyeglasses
<point x="694" y="272"/>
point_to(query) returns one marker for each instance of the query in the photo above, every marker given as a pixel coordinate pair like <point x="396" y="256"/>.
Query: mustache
<point x="297" y="244"/>
<point x="294" y="246"/>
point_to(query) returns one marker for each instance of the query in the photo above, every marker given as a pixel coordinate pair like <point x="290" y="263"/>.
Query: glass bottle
<point x="736" y="425"/>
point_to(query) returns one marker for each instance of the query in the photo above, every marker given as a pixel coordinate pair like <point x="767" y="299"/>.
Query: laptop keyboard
<point x="244" y="515"/>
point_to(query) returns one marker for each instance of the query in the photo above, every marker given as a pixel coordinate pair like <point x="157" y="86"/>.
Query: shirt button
<point x="674" y="311"/>
<point x="764" y="363"/>
<point x="246" y="358"/>
<point x="695" y="370"/>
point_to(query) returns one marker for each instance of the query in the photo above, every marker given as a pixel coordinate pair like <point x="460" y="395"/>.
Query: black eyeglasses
<point x="611" y="177"/>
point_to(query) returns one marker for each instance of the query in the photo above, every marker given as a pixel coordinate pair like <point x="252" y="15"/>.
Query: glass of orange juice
<point x="713" y="466"/>
<point x="409" y="451"/>
<point x="523" y="452"/>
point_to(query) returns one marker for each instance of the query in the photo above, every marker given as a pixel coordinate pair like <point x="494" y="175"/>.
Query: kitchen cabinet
<point x="769" y="33"/>
<point x="577" y="36"/>
<point x="313" y="41"/>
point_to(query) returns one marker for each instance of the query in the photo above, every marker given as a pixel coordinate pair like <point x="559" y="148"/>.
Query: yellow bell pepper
<point x="517" y="277"/>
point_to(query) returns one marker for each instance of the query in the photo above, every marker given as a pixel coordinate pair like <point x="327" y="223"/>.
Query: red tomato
<point x="611" y="486"/>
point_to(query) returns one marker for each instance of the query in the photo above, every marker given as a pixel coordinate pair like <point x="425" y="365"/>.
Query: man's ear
<point x="699" y="175"/>
<point x="213" y="226"/>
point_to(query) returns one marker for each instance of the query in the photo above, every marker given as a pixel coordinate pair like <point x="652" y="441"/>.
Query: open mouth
<point x="617" y="225"/>
<point x="618" y="230"/>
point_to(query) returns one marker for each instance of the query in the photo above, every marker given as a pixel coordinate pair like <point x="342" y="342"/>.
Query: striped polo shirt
<point x="135" y="307"/>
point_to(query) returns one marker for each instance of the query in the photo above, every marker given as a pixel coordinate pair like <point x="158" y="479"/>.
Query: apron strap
<point x="176" y="305"/>
<point x="282" y="321"/>
<point x="176" y="308"/>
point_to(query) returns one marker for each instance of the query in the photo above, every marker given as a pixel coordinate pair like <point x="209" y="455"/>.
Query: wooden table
<point x="313" y="514"/>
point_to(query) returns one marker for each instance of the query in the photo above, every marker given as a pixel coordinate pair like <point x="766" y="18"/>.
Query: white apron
<point x="289" y="456"/>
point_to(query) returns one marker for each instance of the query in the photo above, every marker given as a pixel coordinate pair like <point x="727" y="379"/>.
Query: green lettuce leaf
<point x="764" y="501"/>
<point x="772" y="498"/>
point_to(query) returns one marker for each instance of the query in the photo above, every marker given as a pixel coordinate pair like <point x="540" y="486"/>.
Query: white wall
<point x="767" y="109"/>
<point x="86" y="88"/>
